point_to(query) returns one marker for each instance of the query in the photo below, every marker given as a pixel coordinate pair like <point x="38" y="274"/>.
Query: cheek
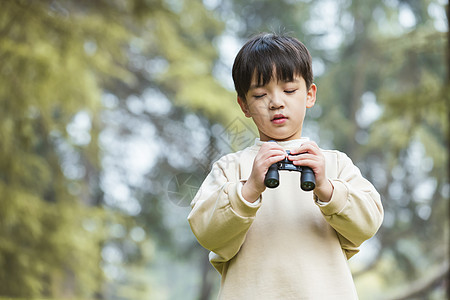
<point x="260" y="115"/>
<point x="258" y="110"/>
<point x="300" y="107"/>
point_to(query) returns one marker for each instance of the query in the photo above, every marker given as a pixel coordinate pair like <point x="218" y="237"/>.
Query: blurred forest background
<point x="113" y="110"/>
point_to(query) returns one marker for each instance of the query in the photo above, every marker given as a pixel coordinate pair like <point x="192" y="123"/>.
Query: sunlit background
<point x="112" y="112"/>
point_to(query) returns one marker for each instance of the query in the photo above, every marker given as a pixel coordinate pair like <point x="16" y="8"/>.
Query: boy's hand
<point x="268" y="154"/>
<point x="311" y="156"/>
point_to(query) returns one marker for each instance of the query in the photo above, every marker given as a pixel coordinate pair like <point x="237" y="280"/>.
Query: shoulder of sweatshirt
<point x="228" y="160"/>
<point x="337" y="155"/>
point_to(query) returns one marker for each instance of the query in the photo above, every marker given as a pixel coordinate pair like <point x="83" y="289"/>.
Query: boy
<point x="282" y="243"/>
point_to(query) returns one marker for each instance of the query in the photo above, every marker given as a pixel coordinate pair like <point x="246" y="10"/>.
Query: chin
<point x="287" y="136"/>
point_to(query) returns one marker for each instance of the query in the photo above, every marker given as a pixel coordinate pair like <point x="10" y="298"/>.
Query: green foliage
<point x="183" y="40"/>
<point x="45" y="246"/>
<point x="51" y="70"/>
<point x="60" y="58"/>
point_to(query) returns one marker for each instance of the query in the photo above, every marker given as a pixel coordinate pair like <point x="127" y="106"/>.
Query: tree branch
<point x="423" y="285"/>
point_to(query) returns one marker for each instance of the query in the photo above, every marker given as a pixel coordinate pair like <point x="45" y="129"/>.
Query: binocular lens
<point x="272" y="182"/>
<point x="308" y="186"/>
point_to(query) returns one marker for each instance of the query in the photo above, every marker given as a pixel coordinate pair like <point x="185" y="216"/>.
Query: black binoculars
<point x="307" y="179"/>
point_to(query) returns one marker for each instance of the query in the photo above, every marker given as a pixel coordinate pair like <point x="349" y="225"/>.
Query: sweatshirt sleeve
<point x="220" y="218"/>
<point x="355" y="210"/>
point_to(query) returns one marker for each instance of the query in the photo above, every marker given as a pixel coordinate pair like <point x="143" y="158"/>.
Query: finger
<point x="307" y="156"/>
<point x="275" y="156"/>
<point x="272" y="151"/>
<point x="274" y="159"/>
<point x="269" y="150"/>
<point x="313" y="163"/>
<point x="272" y="145"/>
<point x="303" y="159"/>
<point x="269" y="157"/>
<point x="307" y="147"/>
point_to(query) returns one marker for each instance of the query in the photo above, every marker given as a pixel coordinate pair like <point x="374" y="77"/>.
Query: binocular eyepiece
<point x="307" y="178"/>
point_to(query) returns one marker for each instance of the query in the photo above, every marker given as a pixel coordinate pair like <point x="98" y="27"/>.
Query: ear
<point x="311" y="96"/>
<point x="244" y="107"/>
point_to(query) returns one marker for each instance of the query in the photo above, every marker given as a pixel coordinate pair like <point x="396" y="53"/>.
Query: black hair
<point x="267" y="52"/>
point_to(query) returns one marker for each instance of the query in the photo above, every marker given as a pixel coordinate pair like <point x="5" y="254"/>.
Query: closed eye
<point x="290" y="91"/>
<point x="259" y="96"/>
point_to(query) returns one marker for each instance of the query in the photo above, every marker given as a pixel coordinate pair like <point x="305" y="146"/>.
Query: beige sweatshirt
<point x="288" y="245"/>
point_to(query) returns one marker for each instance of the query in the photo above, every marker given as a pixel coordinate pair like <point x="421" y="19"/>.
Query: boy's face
<point x="278" y="108"/>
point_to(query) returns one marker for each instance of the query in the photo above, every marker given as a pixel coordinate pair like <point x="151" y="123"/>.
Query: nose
<point x="276" y="101"/>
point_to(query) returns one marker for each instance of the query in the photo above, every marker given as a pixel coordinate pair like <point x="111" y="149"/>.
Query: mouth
<point x="279" y="119"/>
